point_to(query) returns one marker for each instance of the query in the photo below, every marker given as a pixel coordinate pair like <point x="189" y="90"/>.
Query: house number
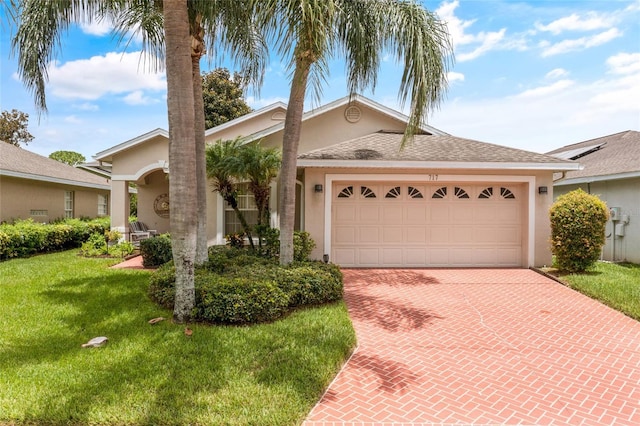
<point x="433" y="177"/>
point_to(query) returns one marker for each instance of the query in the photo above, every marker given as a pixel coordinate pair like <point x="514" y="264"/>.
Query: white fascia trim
<point x="530" y="180"/>
<point x="246" y="117"/>
<point x="406" y="164"/>
<point x="589" y="179"/>
<point x="131" y="143"/>
<point x="54" y="180"/>
<point x="160" y="164"/>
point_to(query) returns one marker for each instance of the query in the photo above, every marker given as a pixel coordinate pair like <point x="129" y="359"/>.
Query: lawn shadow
<point x="389" y="277"/>
<point x="387" y="314"/>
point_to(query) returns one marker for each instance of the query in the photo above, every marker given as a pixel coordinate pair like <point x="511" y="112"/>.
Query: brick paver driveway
<point x="482" y="347"/>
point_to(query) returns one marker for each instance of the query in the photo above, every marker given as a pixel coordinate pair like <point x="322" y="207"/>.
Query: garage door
<point x="404" y="224"/>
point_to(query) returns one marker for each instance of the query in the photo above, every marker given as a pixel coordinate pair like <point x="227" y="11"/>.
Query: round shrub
<point x="235" y="300"/>
<point x="156" y="251"/>
<point x="578" y="224"/>
<point x="162" y="285"/>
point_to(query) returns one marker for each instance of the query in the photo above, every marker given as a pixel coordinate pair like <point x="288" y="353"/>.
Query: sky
<point x="533" y="75"/>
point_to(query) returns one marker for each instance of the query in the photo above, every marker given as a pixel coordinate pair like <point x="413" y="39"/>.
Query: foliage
<point x="68" y="157"/>
<point x="26" y="237"/>
<point x="13" y="127"/>
<point x="615" y="285"/>
<point x="223" y="97"/>
<point x="106" y="244"/>
<point x="236" y="286"/>
<point x="156" y="251"/>
<point x="268" y="374"/>
<point x="578" y="224"/>
<point x="235" y="240"/>
<point x="303" y="244"/>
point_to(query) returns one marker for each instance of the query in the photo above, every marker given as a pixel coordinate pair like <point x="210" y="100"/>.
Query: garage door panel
<point x="404" y="226"/>
<point x="368" y="234"/>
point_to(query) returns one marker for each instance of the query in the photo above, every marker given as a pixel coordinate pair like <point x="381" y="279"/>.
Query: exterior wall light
<point x="317" y="188"/>
<point x="542" y="190"/>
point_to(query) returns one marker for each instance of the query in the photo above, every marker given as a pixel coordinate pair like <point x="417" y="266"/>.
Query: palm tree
<point x="222" y="158"/>
<point x="227" y="23"/>
<point x="260" y="166"/>
<point x="310" y="31"/>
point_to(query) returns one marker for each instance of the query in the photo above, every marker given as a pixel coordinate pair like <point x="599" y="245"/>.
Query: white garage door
<point x="383" y="225"/>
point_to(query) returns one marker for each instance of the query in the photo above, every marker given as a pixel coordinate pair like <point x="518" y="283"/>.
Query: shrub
<point x="578" y="224"/>
<point x="162" y="285"/>
<point x="156" y="251"/>
<point x="303" y="244"/>
<point x="235" y="300"/>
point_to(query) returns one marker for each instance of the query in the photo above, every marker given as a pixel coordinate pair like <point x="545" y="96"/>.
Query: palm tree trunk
<point x="197" y="51"/>
<point x="231" y="200"/>
<point x="182" y="154"/>
<point x="290" y="142"/>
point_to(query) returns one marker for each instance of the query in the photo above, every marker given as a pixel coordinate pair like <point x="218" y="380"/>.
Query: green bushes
<point x="578" y="222"/>
<point x="26" y="237"/>
<point x="107" y="244"/>
<point x="156" y="251"/>
<point x="237" y="287"/>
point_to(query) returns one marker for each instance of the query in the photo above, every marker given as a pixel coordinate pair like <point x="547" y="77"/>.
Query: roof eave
<point x="108" y="153"/>
<point x="601" y="178"/>
<point x="50" y="179"/>
<point x="457" y="165"/>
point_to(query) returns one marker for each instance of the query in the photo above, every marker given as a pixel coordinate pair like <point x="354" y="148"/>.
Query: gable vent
<point x="353" y="114"/>
<point x="278" y="116"/>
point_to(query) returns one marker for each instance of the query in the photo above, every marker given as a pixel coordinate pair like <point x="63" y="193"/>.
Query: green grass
<point x="269" y="374"/>
<point x="616" y="285"/>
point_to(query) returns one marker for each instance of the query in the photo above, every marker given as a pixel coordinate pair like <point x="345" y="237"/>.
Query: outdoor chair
<point x="138" y="231"/>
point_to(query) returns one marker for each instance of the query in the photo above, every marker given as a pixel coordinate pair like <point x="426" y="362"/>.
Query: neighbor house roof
<point x="383" y="149"/>
<point x="614" y="156"/>
<point x="20" y="163"/>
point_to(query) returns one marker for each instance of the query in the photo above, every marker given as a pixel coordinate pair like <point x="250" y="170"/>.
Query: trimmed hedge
<point x="578" y="223"/>
<point x="156" y="251"/>
<point x="239" y="288"/>
<point x="25" y="237"/>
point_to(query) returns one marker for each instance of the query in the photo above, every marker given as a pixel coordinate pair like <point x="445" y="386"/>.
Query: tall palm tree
<point x="227" y="23"/>
<point x="311" y="31"/>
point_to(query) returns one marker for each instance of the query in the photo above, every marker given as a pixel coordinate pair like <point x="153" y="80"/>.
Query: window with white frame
<point x="103" y="205"/>
<point x="247" y="205"/>
<point x="68" y="204"/>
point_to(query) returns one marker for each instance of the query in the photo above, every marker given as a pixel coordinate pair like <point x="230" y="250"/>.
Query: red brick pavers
<point x="481" y="347"/>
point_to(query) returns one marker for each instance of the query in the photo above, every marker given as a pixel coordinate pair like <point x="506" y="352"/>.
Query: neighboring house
<point x="441" y="201"/>
<point x="37" y="187"/>
<point x="612" y="172"/>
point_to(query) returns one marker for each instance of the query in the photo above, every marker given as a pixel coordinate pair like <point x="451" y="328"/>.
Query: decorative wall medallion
<point x="161" y="206"/>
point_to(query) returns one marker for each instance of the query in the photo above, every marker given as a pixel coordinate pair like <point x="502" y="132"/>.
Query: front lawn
<point x="616" y="285"/>
<point x="268" y="374"/>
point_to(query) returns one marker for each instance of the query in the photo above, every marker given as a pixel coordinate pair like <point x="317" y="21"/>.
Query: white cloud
<point x="138" y="98"/>
<point x="86" y="106"/>
<point x="98" y="28"/>
<point x="72" y="119"/>
<point x="624" y="63"/>
<point x="542" y="91"/>
<point x="556" y="73"/>
<point x="580" y="43"/>
<point x="480" y="43"/>
<point x="263" y="102"/>
<point x="113" y="73"/>
<point x="454" y="76"/>
<point x="574" y="22"/>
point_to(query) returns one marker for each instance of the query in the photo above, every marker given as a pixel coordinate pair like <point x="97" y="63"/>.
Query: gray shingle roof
<point x="15" y="161"/>
<point x="385" y="146"/>
<point x="607" y="155"/>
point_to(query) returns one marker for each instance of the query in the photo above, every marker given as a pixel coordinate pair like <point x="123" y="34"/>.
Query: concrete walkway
<point x="481" y="347"/>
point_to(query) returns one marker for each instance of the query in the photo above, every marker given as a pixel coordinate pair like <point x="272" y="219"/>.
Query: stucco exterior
<point x="144" y="161"/>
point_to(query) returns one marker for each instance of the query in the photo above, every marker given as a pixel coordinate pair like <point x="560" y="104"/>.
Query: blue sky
<point x="534" y="75"/>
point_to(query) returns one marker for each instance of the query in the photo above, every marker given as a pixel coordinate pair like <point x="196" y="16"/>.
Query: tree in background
<point x="68" y="157"/>
<point x="13" y="127"/>
<point x="223" y="97"/>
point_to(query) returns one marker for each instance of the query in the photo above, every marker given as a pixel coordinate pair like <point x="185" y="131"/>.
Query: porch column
<point x="120" y="207"/>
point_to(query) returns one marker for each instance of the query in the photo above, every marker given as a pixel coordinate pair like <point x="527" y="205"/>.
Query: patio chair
<point x="138" y="231"/>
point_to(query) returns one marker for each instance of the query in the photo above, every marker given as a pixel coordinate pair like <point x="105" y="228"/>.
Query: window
<point x="247" y="205"/>
<point x="103" y="205"/>
<point x="68" y="204"/>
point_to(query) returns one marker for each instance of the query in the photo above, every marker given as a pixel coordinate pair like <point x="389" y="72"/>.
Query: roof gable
<point x="616" y="154"/>
<point x="20" y="163"/>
